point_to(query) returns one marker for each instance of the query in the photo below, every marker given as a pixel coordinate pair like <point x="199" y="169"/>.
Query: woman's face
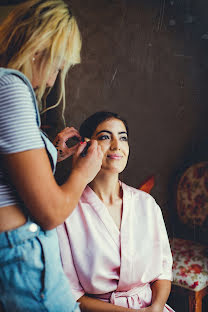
<point x="112" y="136"/>
<point x="37" y="73"/>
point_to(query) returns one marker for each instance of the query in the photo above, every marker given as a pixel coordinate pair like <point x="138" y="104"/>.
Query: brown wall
<point x="154" y="74"/>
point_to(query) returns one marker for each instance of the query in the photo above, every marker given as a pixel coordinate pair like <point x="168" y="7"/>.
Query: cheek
<point x="52" y="79"/>
<point x="127" y="150"/>
<point x="104" y="150"/>
<point x="103" y="145"/>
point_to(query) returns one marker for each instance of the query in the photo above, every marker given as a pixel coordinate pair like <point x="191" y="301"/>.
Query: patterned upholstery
<point x="190" y="258"/>
<point x="190" y="264"/>
<point x="192" y="196"/>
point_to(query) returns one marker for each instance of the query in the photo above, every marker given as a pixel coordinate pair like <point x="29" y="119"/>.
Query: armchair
<point x="190" y="267"/>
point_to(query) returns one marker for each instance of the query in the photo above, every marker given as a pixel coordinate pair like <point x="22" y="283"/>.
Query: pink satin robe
<point x="112" y="265"/>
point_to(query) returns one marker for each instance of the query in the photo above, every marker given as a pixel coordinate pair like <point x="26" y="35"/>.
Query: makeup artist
<point x="39" y="41"/>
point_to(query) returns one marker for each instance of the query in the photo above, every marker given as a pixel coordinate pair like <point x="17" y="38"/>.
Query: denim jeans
<point x="31" y="274"/>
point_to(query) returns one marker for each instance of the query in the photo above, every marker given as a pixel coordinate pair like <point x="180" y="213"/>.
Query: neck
<point x="107" y="187"/>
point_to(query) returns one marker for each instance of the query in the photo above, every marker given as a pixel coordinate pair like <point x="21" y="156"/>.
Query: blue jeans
<point x="31" y="274"/>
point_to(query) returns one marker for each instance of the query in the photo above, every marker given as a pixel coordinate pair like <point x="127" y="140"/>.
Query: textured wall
<point x="147" y="61"/>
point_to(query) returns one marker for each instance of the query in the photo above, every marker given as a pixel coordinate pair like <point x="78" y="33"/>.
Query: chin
<point x="112" y="170"/>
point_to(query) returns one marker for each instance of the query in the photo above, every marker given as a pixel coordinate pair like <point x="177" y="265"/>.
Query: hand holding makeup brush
<point x="90" y="162"/>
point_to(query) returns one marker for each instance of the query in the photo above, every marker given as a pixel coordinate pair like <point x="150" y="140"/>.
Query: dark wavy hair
<point x="90" y="124"/>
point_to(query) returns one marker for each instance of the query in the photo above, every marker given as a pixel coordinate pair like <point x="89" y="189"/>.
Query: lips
<point x="114" y="156"/>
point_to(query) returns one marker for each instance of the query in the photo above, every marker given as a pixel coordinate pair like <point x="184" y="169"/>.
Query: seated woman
<point x="114" y="246"/>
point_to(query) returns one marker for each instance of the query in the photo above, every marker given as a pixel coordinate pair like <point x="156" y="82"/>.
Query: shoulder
<point x="14" y="89"/>
<point x="11" y="79"/>
<point x="140" y="200"/>
<point x="11" y="84"/>
<point x="136" y="193"/>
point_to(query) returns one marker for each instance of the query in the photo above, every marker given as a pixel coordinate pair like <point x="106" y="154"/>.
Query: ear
<point x="148" y="184"/>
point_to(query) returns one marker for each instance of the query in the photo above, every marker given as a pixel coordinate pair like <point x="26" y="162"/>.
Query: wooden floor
<point x="180" y="303"/>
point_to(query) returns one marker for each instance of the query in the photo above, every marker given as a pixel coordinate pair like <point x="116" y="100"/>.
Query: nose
<point x="115" y="144"/>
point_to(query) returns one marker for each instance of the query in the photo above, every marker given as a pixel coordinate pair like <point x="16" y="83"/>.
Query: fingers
<point x="66" y="134"/>
<point x="67" y="152"/>
<point x="60" y="142"/>
<point x="72" y="132"/>
<point x="92" y="147"/>
<point x="95" y="147"/>
<point x="90" y="163"/>
<point x="80" y="148"/>
<point x="70" y="151"/>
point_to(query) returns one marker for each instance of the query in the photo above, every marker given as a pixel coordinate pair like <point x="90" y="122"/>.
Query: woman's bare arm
<point x="160" y="293"/>
<point x="50" y="204"/>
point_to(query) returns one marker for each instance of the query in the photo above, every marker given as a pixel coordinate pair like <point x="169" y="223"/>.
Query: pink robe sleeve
<point x="67" y="261"/>
<point x="167" y="260"/>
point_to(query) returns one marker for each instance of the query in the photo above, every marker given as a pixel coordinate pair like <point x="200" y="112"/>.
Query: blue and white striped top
<point x="19" y="130"/>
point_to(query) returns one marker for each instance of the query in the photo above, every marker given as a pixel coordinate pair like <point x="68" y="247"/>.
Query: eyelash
<point x="124" y="138"/>
<point x="106" y="137"/>
<point x="103" y="137"/>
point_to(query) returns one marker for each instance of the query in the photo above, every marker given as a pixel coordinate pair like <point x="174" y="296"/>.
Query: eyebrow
<point x="122" y="132"/>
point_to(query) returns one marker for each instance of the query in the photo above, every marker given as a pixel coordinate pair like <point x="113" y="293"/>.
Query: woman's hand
<point x="160" y="293"/>
<point x="89" y="165"/>
<point x="151" y="309"/>
<point x="60" y="143"/>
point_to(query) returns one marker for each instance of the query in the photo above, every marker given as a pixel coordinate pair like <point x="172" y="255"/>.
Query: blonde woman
<point x="39" y="41"/>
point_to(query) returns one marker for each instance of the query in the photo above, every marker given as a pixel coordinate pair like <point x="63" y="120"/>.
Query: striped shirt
<point x="19" y="130"/>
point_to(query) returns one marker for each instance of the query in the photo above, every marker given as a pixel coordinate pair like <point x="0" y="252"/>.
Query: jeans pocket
<point x="22" y="271"/>
<point x="10" y="258"/>
<point x="10" y="255"/>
